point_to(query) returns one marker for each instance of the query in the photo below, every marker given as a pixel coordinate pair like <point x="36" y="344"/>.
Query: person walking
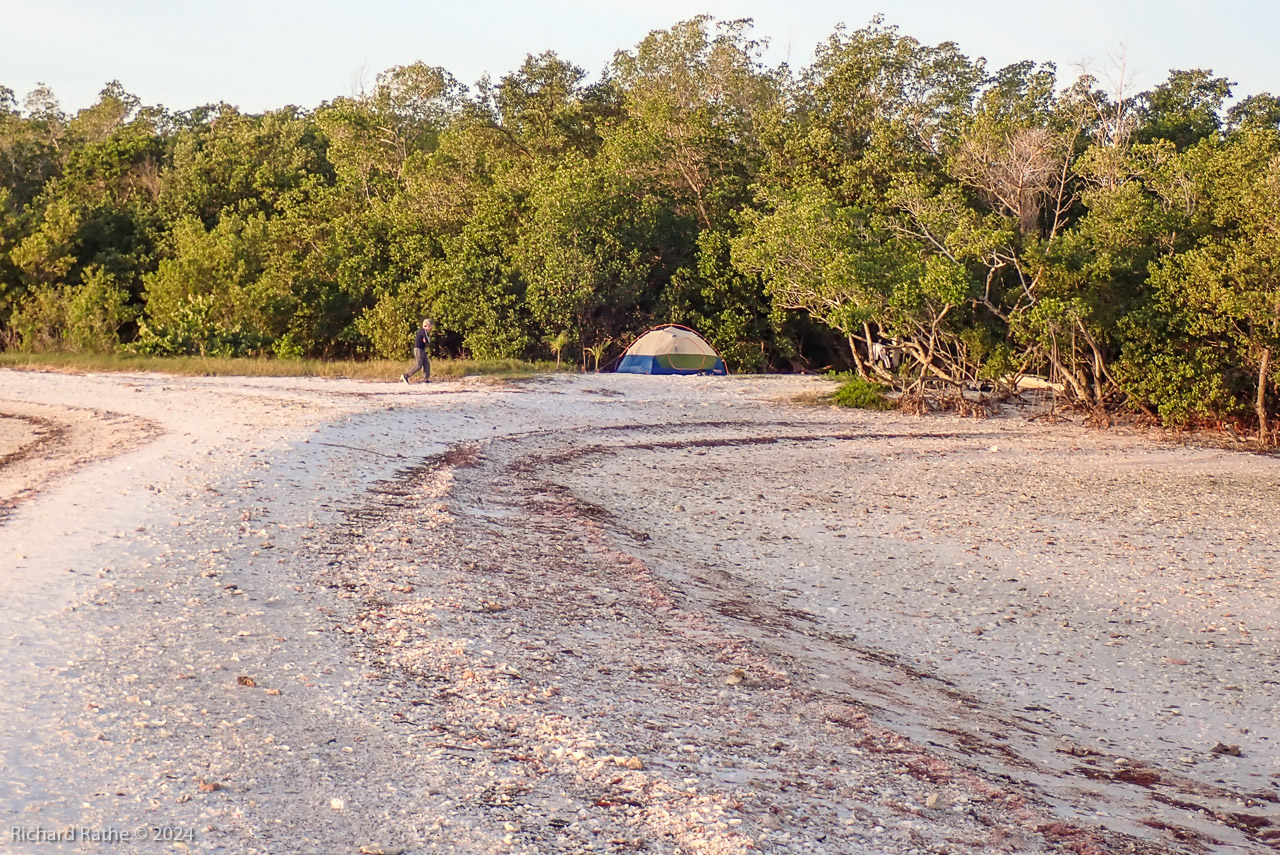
<point x="421" y="344"/>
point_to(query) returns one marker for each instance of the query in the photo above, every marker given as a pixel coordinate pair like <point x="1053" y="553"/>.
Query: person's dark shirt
<point x="421" y="341"/>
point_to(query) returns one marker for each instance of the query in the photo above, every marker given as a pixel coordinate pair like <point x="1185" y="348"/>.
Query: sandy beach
<point x="613" y="613"/>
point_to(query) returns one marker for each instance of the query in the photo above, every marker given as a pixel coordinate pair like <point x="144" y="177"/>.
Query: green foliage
<point x="557" y="343"/>
<point x="892" y="200"/>
<point x="731" y="309"/>
<point x="476" y="287"/>
<point x="1185" y="109"/>
<point x="579" y="251"/>
<point x="816" y="255"/>
<point x="548" y="109"/>
<point x="1164" y="366"/>
<point x="385" y="325"/>
<point x="859" y="394"/>
<point x="1203" y="347"/>
<point x="192" y="328"/>
<point x="39" y="322"/>
<point x="96" y="312"/>
<point x="87" y="319"/>
<point x="286" y="348"/>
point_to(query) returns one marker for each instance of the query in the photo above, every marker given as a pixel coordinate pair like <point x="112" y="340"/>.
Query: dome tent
<point x="671" y="349"/>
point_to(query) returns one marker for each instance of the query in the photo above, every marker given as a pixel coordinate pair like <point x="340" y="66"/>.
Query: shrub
<point x="95" y="313"/>
<point x="389" y="326"/>
<point x="861" y="394"/>
<point x="190" y="330"/>
<point x="40" y="320"/>
<point x="286" y="347"/>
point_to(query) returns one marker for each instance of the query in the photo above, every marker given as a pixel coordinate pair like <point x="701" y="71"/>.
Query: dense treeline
<point x="894" y="194"/>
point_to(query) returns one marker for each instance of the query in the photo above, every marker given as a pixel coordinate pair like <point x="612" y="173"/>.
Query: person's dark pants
<point x="421" y="362"/>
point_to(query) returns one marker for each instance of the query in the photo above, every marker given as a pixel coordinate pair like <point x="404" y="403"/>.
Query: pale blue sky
<point x="265" y="54"/>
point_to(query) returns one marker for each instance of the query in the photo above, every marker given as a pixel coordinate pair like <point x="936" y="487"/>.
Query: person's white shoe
<point x="404" y="379"/>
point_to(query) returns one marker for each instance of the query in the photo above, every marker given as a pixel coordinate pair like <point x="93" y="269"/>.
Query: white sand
<point x="15" y="435"/>
<point x="467" y="606"/>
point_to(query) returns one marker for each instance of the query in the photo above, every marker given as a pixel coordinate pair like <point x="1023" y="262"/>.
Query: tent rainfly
<point x="671" y="349"/>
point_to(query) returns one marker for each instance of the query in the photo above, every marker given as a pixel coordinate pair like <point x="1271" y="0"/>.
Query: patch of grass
<point x="202" y="366"/>
<point x="861" y="394"/>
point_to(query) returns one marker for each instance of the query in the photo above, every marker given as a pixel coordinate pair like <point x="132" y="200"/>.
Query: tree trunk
<point x="1261" y="404"/>
<point x="1100" y="363"/>
<point x="1061" y="371"/>
<point x="857" y="360"/>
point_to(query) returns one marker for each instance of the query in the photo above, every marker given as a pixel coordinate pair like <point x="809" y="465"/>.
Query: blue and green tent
<point x="671" y="349"/>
